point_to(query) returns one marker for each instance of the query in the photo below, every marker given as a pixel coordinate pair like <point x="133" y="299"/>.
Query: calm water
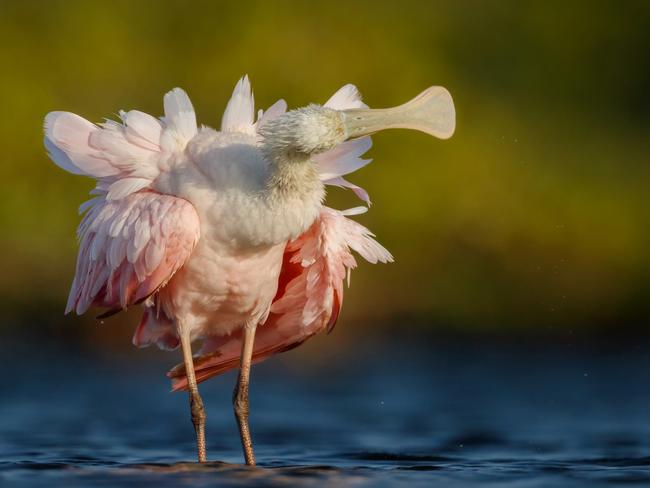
<point x="453" y="413"/>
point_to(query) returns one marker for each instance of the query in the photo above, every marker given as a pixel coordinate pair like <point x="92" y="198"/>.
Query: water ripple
<point x="413" y="421"/>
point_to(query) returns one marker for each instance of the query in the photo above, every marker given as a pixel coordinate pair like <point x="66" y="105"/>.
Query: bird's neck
<point x="293" y="177"/>
<point x="293" y="187"/>
<point x="294" y="191"/>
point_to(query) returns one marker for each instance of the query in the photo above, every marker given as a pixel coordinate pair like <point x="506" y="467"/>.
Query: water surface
<point x="423" y="413"/>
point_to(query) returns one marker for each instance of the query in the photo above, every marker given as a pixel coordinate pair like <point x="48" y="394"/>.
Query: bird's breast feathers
<point x="224" y="176"/>
<point x="219" y="285"/>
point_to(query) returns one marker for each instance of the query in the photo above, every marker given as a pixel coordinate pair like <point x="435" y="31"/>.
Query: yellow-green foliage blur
<point x="535" y="214"/>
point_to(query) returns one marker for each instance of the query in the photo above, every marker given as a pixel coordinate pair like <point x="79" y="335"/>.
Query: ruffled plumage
<point x="133" y="239"/>
<point x="333" y="164"/>
<point x="309" y="297"/>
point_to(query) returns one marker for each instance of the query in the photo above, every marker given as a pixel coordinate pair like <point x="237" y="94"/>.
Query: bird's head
<point x="303" y="131"/>
<point x="299" y="133"/>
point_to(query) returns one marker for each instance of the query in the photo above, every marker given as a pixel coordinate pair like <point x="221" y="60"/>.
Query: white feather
<point x="126" y="186"/>
<point x="240" y="111"/>
<point x="346" y="97"/>
<point x="179" y="114"/>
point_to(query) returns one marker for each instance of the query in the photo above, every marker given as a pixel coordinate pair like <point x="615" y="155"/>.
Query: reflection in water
<point x="454" y="413"/>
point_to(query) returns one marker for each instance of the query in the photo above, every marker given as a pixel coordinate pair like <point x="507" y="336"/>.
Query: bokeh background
<point x="532" y="219"/>
<point x="509" y="343"/>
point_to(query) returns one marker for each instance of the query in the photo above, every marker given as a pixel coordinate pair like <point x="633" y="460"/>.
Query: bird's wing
<point x="132" y="239"/>
<point x="125" y="156"/>
<point x="129" y="248"/>
<point x="309" y="297"/>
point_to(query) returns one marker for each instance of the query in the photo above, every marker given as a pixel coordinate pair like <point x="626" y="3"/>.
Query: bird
<point x="222" y="237"/>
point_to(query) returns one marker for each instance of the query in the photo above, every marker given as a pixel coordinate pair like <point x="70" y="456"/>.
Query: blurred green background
<point x="533" y="217"/>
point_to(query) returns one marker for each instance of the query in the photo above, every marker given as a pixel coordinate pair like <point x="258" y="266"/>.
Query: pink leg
<point x="196" y="403"/>
<point x="240" y="395"/>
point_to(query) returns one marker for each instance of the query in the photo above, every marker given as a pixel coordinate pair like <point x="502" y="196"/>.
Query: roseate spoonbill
<point x="219" y="234"/>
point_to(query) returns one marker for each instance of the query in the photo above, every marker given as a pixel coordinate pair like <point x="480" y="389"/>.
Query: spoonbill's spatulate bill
<point x="222" y="236"/>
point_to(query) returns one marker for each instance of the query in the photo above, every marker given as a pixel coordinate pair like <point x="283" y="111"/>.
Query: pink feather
<point x="309" y="297"/>
<point x="137" y="260"/>
<point x="133" y="240"/>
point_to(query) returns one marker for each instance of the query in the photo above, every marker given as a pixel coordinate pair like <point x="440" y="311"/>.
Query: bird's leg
<point x="196" y="403"/>
<point x="240" y="395"/>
